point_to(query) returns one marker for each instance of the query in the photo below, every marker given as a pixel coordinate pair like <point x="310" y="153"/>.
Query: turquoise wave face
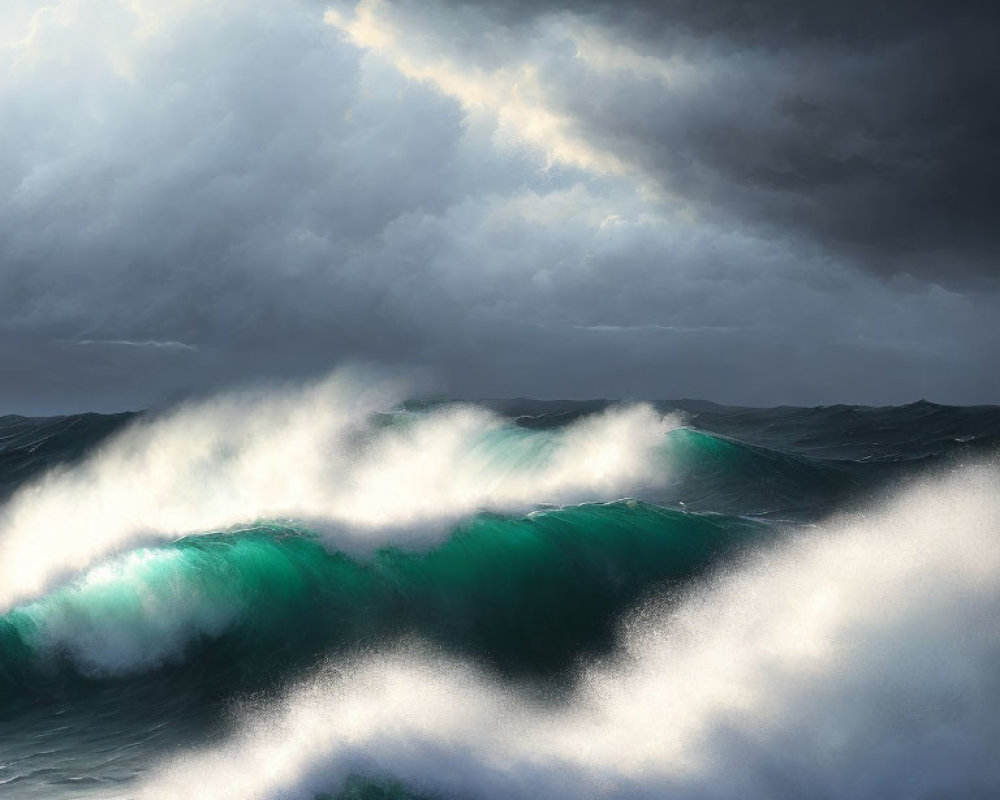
<point x="525" y="595"/>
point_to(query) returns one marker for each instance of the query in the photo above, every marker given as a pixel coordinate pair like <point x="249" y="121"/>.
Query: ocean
<point x="332" y="591"/>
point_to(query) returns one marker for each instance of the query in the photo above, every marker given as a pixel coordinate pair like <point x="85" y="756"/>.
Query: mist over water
<point x="327" y="591"/>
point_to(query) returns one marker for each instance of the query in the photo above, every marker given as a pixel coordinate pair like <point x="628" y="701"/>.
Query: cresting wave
<point x="522" y="593"/>
<point x="326" y="455"/>
<point x="456" y="579"/>
<point x="858" y="659"/>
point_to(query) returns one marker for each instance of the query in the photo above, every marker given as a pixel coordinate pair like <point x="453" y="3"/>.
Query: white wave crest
<point x="857" y="660"/>
<point x="122" y="617"/>
<point x="314" y="455"/>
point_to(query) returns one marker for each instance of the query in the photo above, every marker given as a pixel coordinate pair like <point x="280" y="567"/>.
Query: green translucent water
<point x="523" y="595"/>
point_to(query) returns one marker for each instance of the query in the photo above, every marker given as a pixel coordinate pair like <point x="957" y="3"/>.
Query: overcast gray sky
<point x="760" y="203"/>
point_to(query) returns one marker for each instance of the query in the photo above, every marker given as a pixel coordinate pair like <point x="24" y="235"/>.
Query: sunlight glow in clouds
<point x="515" y="95"/>
<point x="602" y="53"/>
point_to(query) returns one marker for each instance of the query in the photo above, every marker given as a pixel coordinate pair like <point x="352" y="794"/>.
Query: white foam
<point x="858" y="660"/>
<point x="129" y="614"/>
<point x="312" y="454"/>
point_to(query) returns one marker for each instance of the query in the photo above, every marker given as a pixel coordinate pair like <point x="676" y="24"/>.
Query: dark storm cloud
<point x="872" y="129"/>
<point x="761" y="22"/>
<point x="656" y="200"/>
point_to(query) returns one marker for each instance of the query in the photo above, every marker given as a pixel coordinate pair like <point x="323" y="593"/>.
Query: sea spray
<point x="844" y="656"/>
<point x="317" y="455"/>
<point x="830" y="665"/>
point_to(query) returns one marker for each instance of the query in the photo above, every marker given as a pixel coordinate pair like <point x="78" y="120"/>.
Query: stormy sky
<point x="751" y="202"/>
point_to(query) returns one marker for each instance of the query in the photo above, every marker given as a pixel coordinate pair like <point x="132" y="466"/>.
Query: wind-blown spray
<point x="318" y="454"/>
<point x="831" y="666"/>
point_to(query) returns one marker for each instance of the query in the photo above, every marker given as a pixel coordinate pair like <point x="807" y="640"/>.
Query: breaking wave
<point x="329" y="455"/>
<point x="527" y="594"/>
<point x="857" y="661"/>
<point x="329" y="591"/>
